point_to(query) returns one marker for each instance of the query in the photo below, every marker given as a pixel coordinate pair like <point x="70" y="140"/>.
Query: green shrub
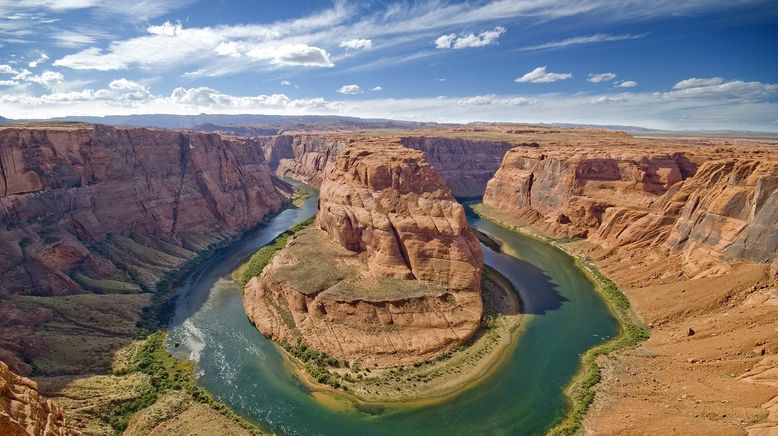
<point x="262" y="257"/>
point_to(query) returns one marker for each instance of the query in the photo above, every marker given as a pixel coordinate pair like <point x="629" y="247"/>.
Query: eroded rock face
<point x="392" y="205"/>
<point x="701" y="206"/>
<point x="23" y="411"/>
<point x="467" y="165"/>
<point x="87" y="199"/>
<point x="402" y="281"/>
<point x="302" y="157"/>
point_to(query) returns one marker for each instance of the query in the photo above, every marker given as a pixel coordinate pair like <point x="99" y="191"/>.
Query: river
<point x="241" y="368"/>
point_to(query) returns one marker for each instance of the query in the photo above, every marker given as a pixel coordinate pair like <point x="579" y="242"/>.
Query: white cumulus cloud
<point x="41" y="59"/>
<point x="357" y="44"/>
<point x="469" y="40"/>
<point x="627" y="84"/>
<point x="293" y="55"/>
<point x="228" y="48"/>
<point x="350" y="89"/>
<point x="601" y="77"/>
<point x="167" y="29"/>
<point x="540" y="75"/>
<point x="376" y="89"/>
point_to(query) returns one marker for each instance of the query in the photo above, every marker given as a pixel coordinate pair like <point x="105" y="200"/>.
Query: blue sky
<point x="679" y="65"/>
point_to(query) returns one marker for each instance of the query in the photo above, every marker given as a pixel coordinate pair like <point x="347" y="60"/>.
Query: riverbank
<point x="581" y="389"/>
<point x="429" y="382"/>
<point x="90" y="338"/>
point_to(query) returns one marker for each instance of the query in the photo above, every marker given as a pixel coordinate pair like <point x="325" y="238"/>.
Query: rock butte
<point x="413" y="289"/>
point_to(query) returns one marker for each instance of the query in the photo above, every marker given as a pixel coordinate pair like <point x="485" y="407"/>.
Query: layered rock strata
<point x="302" y="157"/>
<point x="704" y="209"/>
<point x="85" y="203"/>
<point x="391" y="272"/>
<point x="23" y="411"/>
<point x="467" y="165"/>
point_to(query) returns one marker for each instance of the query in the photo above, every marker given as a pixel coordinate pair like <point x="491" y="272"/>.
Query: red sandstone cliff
<point x="302" y="157"/>
<point x="402" y="275"/>
<point x="75" y="200"/>
<point x="23" y="411"/>
<point x="700" y="206"/>
<point x="467" y="165"/>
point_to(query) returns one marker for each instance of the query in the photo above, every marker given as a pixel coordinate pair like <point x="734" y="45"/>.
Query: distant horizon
<point x="696" y="65"/>
<point x="561" y="124"/>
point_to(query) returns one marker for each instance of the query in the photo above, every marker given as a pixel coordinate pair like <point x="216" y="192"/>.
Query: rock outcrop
<point x="302" y="157"/>
<point x="467" y="165"/>
<point x="83" y="203"/>
<point x="23" y="411"/>
<point x="391" y="273"/>
<point x="709" y="209"/>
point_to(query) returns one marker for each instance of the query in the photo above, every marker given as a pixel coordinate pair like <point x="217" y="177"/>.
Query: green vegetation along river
<point x="526" y="395"/>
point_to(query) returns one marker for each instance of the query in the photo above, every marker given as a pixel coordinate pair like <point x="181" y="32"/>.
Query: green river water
<point x="241" y="368"/>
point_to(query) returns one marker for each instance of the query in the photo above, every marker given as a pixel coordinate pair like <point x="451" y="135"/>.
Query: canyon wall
<point x="400" y="275"/>
<point x="711" y="210"/>
<point x="302" y="157"/>
<point x="467" y="165"/>
<point x="88" y="207"/>
<point x="23" y="411"/>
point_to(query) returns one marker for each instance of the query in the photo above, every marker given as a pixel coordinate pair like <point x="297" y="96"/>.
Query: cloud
<point x="357" y="44"/>
<point x="286" y="83"/>
<point x="376" y="89"/>
<point x="46" y="78"/>
<point x="601" y="77"/>
<point x="167" y="29"/>
<point x="229" y="48"/>
<point x="131" y="10"/>
<point x="440" y="79"/>
<point x="609" y="99"/>
<point x="491" y="99"/>
<point x="350" y="89"/>
<point x="696" y="104"/>
<point x="627" y="84"/>
<point x="719" y="89"/>
<point x="469" y="40"/>
<point x="41" y="59"/>
<point x="698" y="83"/>
<point x="79" y="37"/>
<point x="8" y="83"/>
<point x="293" y="55"/>
<point x="579" y="40"/>
<point x="539" y="75"/>
<point x="7" y="69"/>
<point x="444" y="41"/>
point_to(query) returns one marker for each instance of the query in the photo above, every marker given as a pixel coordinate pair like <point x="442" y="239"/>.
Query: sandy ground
<point x="710" y="366"/>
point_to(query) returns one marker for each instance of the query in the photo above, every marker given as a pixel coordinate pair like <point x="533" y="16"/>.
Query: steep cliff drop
<point x="690" y="234"/>
<point x="95" y="209"/>
<point x="302" y="157"/>
<point x="467" y="165"/>
<point x="389" y="275"/>
<point x="711" y="211"/>
<point x="23" y="411"/>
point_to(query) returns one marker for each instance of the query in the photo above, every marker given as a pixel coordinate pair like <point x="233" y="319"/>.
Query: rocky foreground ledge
<point x="389" y="275"/>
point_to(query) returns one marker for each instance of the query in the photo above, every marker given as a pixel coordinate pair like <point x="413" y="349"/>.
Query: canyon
<point x="94" y="217"/>
<point x="390" y="274"/>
